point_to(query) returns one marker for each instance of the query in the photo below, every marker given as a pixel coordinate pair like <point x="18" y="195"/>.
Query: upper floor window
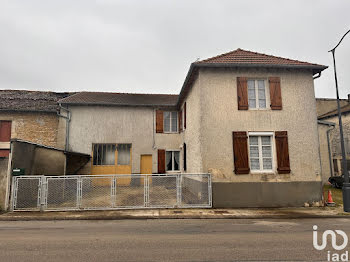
<point x="103" y="154"/>
<point x="170" y="122"/>
<point x="257" y="94"/>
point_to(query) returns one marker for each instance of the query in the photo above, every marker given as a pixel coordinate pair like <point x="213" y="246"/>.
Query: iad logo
<point x="331" y="256"/>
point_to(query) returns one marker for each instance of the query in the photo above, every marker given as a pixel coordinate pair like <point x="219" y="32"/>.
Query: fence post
<point x="178" y="191"/>
<point x="210" y="191"/>
<point x="114" y="190"/>
<point x="13" y="199"/>
<point x="41" y="193"/>
<point x="146" y="191"/>
<point x="79" y="191"/>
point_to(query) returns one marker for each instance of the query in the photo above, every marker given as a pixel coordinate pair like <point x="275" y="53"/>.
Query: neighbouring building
<point x="326" y="105"/>
<point x="247" y="118"/>
<point x="30" y="137"/>
<point x="335" y="157"/>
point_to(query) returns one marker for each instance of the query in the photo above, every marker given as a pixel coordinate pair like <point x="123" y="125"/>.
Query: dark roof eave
<point x="327" y="123"/>
<point x="49" y="147"/>
<point x="315" y="68"/>
<point x="332" y="115"/>
<point x="189" y="73"/>
<point x="114" y="104"/>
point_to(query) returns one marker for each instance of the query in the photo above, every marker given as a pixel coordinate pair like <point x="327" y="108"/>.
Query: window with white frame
<point x="170" y="122"/>
<point x="260" y="152"/>
<point x="172" y="159"/>
<point x="257" y="94"/>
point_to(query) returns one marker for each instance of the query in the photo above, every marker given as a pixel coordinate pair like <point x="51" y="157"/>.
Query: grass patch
<point x="337" y="194"/>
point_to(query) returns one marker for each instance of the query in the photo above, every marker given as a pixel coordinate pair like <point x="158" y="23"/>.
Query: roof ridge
<point x="223" y="54"/>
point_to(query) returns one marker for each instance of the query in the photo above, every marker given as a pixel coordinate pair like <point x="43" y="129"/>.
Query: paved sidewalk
<point x="244" y="213"/>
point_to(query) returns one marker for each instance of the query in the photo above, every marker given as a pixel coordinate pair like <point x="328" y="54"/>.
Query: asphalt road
<point x="165" y="240"/>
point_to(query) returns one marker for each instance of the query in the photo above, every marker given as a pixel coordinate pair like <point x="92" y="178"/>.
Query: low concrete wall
<point x="265" y="194"/>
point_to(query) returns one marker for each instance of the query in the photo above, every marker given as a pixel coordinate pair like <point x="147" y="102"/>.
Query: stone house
<point x="331" y="116"/>
<point x="247" y="118"/>
<point x="30" y="136"/>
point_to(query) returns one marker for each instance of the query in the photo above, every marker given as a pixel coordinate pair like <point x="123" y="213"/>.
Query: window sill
<point x="263" y="172"/>
<point x="171" y="132"/>
<point x="103" y="165"/>
<point x="259" y="109"/>
<point x="173" y="172"/>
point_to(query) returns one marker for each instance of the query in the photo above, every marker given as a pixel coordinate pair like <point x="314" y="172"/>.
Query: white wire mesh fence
<point x="101" y="192"/>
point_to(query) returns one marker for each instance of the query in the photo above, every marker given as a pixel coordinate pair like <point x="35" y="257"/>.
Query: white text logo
<point x="332" y="234"/>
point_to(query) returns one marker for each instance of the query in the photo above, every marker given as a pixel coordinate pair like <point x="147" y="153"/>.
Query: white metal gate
<point x="101" y="192"/>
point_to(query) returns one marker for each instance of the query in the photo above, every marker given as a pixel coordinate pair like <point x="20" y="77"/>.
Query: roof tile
<point x="240" y="56"/>
<point x="103" y="98"/>
<point x="23" y="100"/>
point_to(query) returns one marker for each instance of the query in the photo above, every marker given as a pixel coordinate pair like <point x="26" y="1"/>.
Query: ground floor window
<point x="172" y="160"/>
<point x="103" y="154"/>
<point x="260" y="152"/>
<point x="124" y="154"/>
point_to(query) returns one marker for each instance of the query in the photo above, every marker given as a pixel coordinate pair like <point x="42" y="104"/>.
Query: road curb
<point x="122" y="217"/>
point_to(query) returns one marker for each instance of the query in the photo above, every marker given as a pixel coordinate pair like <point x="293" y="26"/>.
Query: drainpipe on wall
<point x="154" y="123"/>
<point x="329" y="149"/>
<point x="331" y="127"/>
<point x="68" y="118"/>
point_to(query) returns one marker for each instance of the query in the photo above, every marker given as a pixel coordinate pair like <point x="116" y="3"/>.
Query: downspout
<point x="331" y="126"/>
<point x="153" y="131"/>
<point x="68" y="118"/>
<point x="329" y="150"/>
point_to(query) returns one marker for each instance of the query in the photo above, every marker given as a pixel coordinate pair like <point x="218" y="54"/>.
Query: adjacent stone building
<point x="334" y="137"/>
<point x="29" y="116"/>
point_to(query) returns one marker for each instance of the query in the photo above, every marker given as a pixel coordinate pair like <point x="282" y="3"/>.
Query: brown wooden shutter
<point x="159" y="121"/>
<point x="180" y="121"/>
<point x="240" y="152"/>
<point x="185" y="115"/>
<point x="242" y="93"/>
<point x="275" y="93"/>
<point x="185" y="156"/>
<point x="283" y="166"/>
<point x="161" y="161"/>
<point x="5" y="131"/>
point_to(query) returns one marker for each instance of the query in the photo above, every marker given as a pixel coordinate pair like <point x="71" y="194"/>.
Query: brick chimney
<point x="349" y="98"/>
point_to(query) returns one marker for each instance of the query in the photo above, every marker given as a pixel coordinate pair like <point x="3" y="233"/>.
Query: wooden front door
<point x="146" y="164"/>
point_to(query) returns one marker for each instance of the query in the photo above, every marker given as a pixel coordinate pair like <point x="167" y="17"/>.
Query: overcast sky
<point x="148" y="46"/>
